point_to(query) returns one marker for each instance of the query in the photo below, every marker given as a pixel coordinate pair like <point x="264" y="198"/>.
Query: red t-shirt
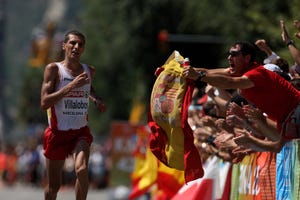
<point x="271" y="93"/>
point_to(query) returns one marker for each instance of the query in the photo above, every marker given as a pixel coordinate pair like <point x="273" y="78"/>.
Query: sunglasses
<point x="234" y="53"/>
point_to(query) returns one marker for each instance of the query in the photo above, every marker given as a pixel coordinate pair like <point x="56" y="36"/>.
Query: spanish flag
<point x="172" y="140"/>
<point x="148" y="171"/>
<point x="169" y="180"/>
<point x="144" y="174"/>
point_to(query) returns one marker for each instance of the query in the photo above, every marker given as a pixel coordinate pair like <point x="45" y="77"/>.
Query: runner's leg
<point x="81" y="157"/>
<point x="54" y="170"/>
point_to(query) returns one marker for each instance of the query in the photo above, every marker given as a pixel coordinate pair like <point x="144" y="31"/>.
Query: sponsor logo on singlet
<point x="75" y="94"/>
<point x="68" y="79"/>
<point x="74" y="104"/>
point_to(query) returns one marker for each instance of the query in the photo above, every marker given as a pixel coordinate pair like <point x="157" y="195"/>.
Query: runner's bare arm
<point x="98" y="101"/>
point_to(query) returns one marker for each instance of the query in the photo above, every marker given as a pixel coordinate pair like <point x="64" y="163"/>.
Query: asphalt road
<point x="30" y="193"/>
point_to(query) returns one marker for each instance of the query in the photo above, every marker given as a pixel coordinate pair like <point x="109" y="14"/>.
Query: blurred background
<point x="126" y="41"/>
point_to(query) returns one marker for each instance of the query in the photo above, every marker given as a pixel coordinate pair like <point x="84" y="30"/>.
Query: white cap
<point x="272" y="67"/>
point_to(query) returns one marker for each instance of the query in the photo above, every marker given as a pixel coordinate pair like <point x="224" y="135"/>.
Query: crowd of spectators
<point x="230" y="128"/>
<point x="24" y="163"/>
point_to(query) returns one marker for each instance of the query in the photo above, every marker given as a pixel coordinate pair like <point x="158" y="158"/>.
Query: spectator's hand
<point x="210" y="149"/>
<point x="262" y="45"/>
<point x="222" y="125"/>
<point x="190" y="72"/>
<point x="253" y="114"/>
<point x="297" y="26"/>
<point x="202" y="133"/>
<point x="210" y="90"/>
<point x="240" y="150"/>
<point x="243" y="138"/>
<point x="243" y="141"/>
<point x="234" y="109"/>
<point x="235" y="121"/>
<point x="284" y="34"/>
<point x="224" y="141"/>
<point x="208" y="121"/>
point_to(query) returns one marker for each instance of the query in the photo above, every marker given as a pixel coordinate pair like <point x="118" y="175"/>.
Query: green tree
<point x="29" y="102"/>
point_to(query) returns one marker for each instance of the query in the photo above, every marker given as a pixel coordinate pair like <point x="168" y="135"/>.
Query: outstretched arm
<point x="246" y="140"/>
<point x="295" y="53"/>
<point x="266" y="126"/>
<point x="218" y="79"/>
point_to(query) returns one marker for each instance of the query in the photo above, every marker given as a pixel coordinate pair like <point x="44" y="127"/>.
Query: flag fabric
<point x="145" y="165"/>
<point x="287" y="171"/>
<point x="267" y="175"/>
<point x="144" y="175"/>
<point x="137" y="111"/>
<point x="197" y="189"/>
<point x="215" y="184"/>
<point x="222" y="181"/>
<point x="149" y="171"/>
<point x="227" y="185"/>
<point x="284" y="168"/>
<point x="234" y="188"/>
<point x="254" y="177"/>
<point x="172" y="140"/>
<point x="246" y="183"/>
<point x="169" y="180"/>
<point x="296" y="170"/>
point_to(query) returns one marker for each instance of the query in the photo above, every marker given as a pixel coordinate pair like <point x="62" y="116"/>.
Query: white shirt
<point x="71" y="112"/>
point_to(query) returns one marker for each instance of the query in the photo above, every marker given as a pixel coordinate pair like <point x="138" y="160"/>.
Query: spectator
<point x="273" y="62"/>
<point x="257" y="85"/>
<point x="263" y="46"/>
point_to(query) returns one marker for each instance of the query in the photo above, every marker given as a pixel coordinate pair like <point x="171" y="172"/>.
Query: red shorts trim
<point x="60" y="144"/>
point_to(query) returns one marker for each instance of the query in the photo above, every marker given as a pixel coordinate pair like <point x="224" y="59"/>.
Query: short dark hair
<point x="74" y="32"/>
<point x="209" y="109"/>
<point x="247" y="48"/>
<point x="282" y="64"/>
<point x="238" y="99"/>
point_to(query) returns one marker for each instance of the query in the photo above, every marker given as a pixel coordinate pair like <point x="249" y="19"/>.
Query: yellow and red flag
<point x="172" y="140"/>
<point x="144" y="175"/>
<point x="169" y="180"/>
<point x="148" y="171"/>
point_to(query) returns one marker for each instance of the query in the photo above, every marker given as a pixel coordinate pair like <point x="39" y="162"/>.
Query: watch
<point x="291" y="42"/>
<point x="201" y="75"/>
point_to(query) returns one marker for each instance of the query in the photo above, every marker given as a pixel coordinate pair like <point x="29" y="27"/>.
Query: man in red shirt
<point x="263" y="88"/>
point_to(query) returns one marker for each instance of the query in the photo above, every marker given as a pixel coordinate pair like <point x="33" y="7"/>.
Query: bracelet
<point x="201" y="75"/>
<point x="291" y="42"/>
